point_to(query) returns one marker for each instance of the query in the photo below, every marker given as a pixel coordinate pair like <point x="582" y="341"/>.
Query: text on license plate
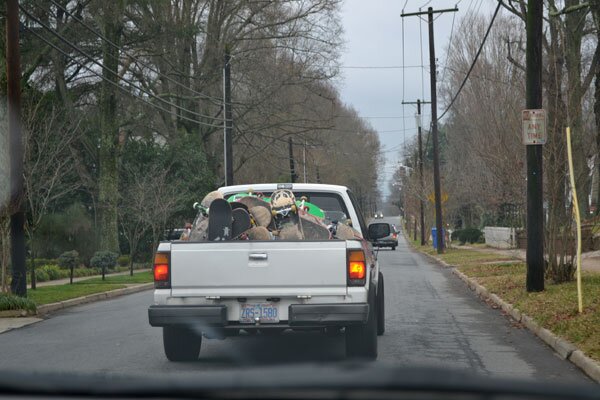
<point x="267" y="313"/>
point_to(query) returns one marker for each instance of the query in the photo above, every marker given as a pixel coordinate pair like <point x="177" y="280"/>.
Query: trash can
<point x="434" y="237"/>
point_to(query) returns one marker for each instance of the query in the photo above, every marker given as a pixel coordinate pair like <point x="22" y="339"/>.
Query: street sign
<point x="534" y="127"/>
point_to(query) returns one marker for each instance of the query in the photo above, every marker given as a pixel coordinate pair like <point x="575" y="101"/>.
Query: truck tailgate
<point x="245" y="268"/>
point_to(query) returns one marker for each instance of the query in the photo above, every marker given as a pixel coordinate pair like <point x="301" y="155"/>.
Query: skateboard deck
<point x="259" y="233"/>
<point x="199" y="231"/>
<point x="241" y="222"/>
<point x="219" y="220"/>
<point x="285" y="215"/>
<point x="310" y="208"/>
<point x="313" y="228"/>
<point x="236" y="204"/>
<point x="252" y="201"/>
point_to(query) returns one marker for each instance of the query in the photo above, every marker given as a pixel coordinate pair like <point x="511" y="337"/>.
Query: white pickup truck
<point x="215" y="289"/>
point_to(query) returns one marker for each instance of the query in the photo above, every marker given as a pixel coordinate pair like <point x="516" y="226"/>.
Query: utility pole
<point x="18" y="285"/>
<point x="421" y="180"/>
<point x="535" y="192"/>
<point x="434" y="131"/>
<point x="228" y="123"/>
<point x="293" y="175"/>
<point x="304" y="160"/>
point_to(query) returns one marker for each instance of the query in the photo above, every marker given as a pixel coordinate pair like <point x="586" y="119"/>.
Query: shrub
<point x="104" y="260"/>
<point x="69" y="259"/>
<point x="467" y="235"/>
<point x="455" y="233"/>
<point x="11" y="302"/>
<point x="54" y="272"/>
<point x="123" y="261"/>
<point x="80" y="272"/>
<point x="40" y="262"/>
<point x="41" y="275"/>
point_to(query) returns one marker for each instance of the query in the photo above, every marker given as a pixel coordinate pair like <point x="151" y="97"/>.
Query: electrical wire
<point x="101" y="36"/>
<point x="474" y="61"/>
<point x="403" y="86"/>
<point x="422" y="72"/>
<point x="133" y="84"/>
<point x="381" y="66"/>
<point x="83" y="65"/>
<point x="448" y="48"/>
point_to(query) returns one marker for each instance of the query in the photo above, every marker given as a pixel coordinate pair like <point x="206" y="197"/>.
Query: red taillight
<point x="161" y="270"/>
<point x="356" y="270"/>
<point x="395" y="235"/>
<point x="357" y="267"/>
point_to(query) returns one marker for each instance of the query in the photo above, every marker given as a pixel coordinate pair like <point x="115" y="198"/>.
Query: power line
<point x="474" y="61"/>
<point x="101" y="36"/>
<point x="141" y="89"/>
<point x="82" y="64"/>
<point x="448" y="48"/>
<point x="381" y="66"/>
<point x="379" y="117"/>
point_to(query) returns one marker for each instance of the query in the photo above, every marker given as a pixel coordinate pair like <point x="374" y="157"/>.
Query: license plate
<point x="267" y="313"/>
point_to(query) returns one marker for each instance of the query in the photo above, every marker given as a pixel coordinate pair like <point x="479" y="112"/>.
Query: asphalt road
<point x="432" y="319"/>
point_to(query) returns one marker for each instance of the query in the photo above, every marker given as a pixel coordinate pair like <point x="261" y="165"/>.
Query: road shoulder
<point x="563" y="348"/>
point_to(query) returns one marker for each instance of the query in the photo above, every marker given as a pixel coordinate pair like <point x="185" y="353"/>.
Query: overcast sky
<point x="373" y="35"/>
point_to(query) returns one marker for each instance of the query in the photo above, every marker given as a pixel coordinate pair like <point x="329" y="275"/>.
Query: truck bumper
<point x="300" y="315"/>
<point x="187" y="315"/>
<point x="328" y="314"/>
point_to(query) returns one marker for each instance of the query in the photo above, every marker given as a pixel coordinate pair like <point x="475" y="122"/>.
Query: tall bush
<point x="104" y="260"/>
<point x="70" y="260"/>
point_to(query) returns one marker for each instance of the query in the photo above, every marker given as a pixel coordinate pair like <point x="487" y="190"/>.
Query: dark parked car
<point x="389" y="241"/>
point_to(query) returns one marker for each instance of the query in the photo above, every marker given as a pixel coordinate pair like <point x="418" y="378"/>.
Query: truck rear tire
<point x="380" y="306"/>
<point x="181" y="344"/>
<point x="361" y="340"/>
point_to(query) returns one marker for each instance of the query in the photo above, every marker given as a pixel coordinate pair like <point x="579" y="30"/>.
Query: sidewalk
<point x="83" y="278"/>
<point x="590" y="261"/>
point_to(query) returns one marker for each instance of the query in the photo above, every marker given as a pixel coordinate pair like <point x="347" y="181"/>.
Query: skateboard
<point x="260" y="211"/>
<point x="219" y="220"/>
<point x="241" y="222"/>
<point x="199" y="231"/>
<point x="285" y="214"/>
<point x="236" y="204"/>
<point x="309" y="208"/>
<point x="259" y="233"/>
<point x="313" y="228"/>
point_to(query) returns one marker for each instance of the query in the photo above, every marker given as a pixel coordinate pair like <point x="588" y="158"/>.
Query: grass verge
<point x="555" y="308"/>
<point x="140" y="277"/>
<point x="56" y="293"/>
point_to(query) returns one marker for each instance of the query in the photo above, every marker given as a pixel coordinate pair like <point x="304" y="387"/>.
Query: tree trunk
<point x="595" y="8"/>
<point x="108" y="152"/>
<point x="556" y="165"/>
<point x="32" y="258"/>
<point x="574" y="25"/>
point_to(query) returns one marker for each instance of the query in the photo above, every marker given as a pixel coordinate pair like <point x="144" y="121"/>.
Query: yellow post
<point x="577" y="219"/>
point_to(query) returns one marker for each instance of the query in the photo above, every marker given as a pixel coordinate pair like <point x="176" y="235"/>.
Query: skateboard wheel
<point x="274" y="213"/>
<point x="294" y="208"/>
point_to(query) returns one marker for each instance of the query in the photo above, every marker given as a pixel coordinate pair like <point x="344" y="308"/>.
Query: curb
<point x="14" y="313"/>
<point x="52" y="307"/>
<point x="566" y="350"/>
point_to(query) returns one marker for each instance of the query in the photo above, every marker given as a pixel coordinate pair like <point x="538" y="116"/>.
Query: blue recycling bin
<point x="434" y="237"/>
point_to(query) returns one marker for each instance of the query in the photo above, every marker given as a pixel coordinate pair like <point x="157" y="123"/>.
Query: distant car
<point x="389" y="241"/>
<point x="378" y="215"/>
